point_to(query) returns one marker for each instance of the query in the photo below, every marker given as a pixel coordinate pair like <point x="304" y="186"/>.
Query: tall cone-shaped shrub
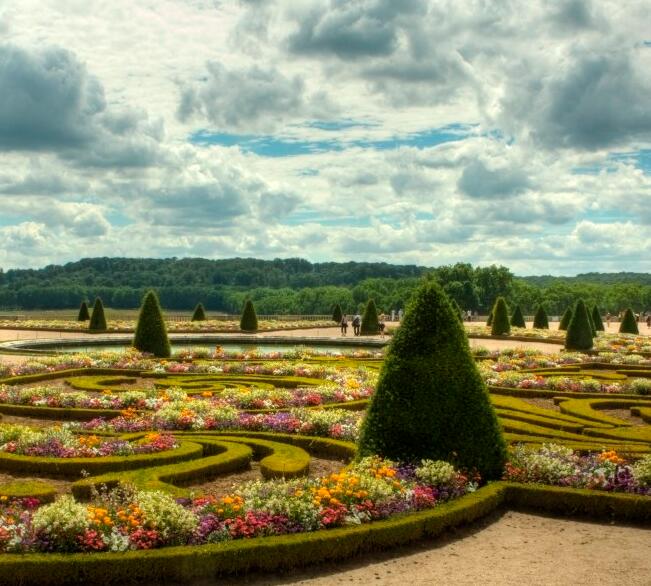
<point x="457" y="309"/>
<point x="540" y="320"/>
<point x="337" y="314"/>
<point x="579" y="331"/>
<point x="370" y="324"/>
<point x="97" y="320"/>
<point x="565" y="320"/>
<point x="199" y="313"/>
<point x="517" y="319"/>
<point x="593" y="330"/>
<point x="151" y="332"/>
<point x="596" y="319"/>
<point x="500" y="325"/>
<point x="249" y="320"/>
<point x="430" y="401"/>
<point x="489" y="321"/>
<point x="83" y="314"/>
<point x="628" y="325"/>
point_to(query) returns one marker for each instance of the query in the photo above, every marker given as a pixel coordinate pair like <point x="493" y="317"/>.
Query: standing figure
<point x="357" y="323"/>
<point x="344" y="324"/>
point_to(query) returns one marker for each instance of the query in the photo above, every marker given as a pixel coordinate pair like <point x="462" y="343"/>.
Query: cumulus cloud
<point x="478" y="181"/>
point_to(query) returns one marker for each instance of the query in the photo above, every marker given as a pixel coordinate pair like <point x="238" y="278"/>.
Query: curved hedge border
<point x="43" y="491"/>
<point x="59" y="413"/>
<point x="183" y="564"/>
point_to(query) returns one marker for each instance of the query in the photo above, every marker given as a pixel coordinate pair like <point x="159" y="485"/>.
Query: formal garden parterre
<point x="111" y="490"/>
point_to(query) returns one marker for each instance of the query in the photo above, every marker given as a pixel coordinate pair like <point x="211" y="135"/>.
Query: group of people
<point x="357" y="324"/>
<point x="645" y="316"/>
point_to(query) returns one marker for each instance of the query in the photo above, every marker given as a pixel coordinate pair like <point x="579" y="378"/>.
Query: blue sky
<point x="427" y="132"/>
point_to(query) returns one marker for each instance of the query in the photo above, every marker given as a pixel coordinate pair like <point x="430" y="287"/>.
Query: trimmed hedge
<point x="97" y="320"/>
<point x="517" y="319"/>
<point x="151" y="331"/>
<point x="59" y="413"/>
<point x="565" y="320"/>
<point x="43" y="491"/>
<point x="586" y="408"/>
<point x="489" y="320"/>
<point x="596" y="319"/>
<point x="628" y="324"/>
<point x="199" y="313"/>
<point x="337" y="314"/>
<point x="579" y="331"/>
<point x="83" y="314"/>
<point x="249" y="319"/>
<point x="370" y="324"/>
<point x="25" y="379"/>
<point x="500" y="325"/>
<point x="540" y="320"/>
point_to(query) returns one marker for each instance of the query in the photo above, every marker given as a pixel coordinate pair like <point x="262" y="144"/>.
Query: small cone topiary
<point x="593" y="330"/>
<point x="596" y="320"/>
<point x="151" y="332"/>
<point x="489" y="321"/>
<point x="83" y="312"/>
<point x="430" y="401"/>
<point x="199" y="313"/>
<point x="517" y="319"/>
<point x="540" y="320"/>
<point x="628" y="325"/>
<point x="370" y="323"/>
<point x="97" y="320"/>
<point x="337" y="314"/>
<point x="500" y="325"/>
<point x="579" y="331"/>
<point x="565" y="320"/>
<point x="249" y="320"/>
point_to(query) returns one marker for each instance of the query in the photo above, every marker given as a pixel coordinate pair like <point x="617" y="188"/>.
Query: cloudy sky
<point x="419" y="131"/>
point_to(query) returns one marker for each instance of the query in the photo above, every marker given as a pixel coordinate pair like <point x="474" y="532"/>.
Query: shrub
<point x="199" y="313"/>
<point x="565" y="320"/>
<point x="97" y="320"/>
<point x="337" y="314"/>
<point x="151" y="332"/>
<point x="430" y="401"/>
<point x="457" y="309"/>
<point x="370" y="323"/>
<point x="489" y="321"/>
<point x="249" y="320"/>
<point x="500" y="325"/>
<point x="628" y="325"/>
<point x="596" y="319"/>
<point x="517" y="319"/>
<point x="540" y="320"/>
<point x="83" y="312"/>
<point x="579" y="331"/>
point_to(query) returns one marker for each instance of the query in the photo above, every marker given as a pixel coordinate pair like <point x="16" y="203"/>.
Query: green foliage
<point x="565" y="320"/>
<point x="430" y="401"/>
<point x="199" y="313"/>
<point x="517" y="319"/>
<point x="579" y="330"/>
<point x="370" y="323"/>
<point x="628" y="324"/>
<point x="83" y="312"/>
<point x="596" y="319"/>
<point x="457" y="309"/>
<point x="249" y="319"/>
<point x="540" y="320"/>
<point x="500" y="325"/>
<point x="337" y="314"/>
<point x="97" y="320"/>
<point x="489" y="321"/>
<point x="151" y="331"/>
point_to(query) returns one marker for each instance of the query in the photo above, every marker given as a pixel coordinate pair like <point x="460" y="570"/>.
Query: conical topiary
<point x="97" y="320"/>
<point x="457" y="309"/>
<point x="500" y="325"/>
<point x="489" y="321"/>
<point x="370" y="323"/>
<point x="628" y="325"/>
<point x="199" y="313"/>
<point x="249" y="320"/>
<point x="593" y="330"/>
<point x="517" y="319"/>
<point x="596" y="320"/>
<point x="337" y="314"/>
<point x="151" y="332"/>
<point x="430" y="401"/>
<point x="579" y="331"/>
<point x="540" y="320"/>
<point x="83" y="312"/>
<point x="565" y="320"/>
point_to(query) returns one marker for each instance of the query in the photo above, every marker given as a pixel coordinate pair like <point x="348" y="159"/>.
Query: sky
<point x="422" y="132"/>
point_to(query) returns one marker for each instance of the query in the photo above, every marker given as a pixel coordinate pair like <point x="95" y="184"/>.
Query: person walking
<point x="357" y="323"/>
<point x="344" y="324"/>
<point x="381" y="325"/>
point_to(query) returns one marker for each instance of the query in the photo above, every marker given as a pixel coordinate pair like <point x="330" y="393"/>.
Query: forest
<point x="297" y="286"/>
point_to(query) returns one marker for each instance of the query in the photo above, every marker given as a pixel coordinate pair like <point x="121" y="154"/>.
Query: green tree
<point x="249" y="319"/>
<point x="500" y="325"/>
<point x="457" y="309"/>
<point x="337" y="314"/>
<point x="83" y="312"/>
<point x="596" y="319"/>
<point x="151" y="331"/>
<point x="565" y="320"/>
<point x="430" y="401"/>
<point x="628" y="324"/>
<point x="579" y="330"/>
<point x="540" y="320"/>
<point x="199" y="313"/>
<point x="97" y="320"/>
<point x="370" y="323"/>
<point x="517" y="319"/>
